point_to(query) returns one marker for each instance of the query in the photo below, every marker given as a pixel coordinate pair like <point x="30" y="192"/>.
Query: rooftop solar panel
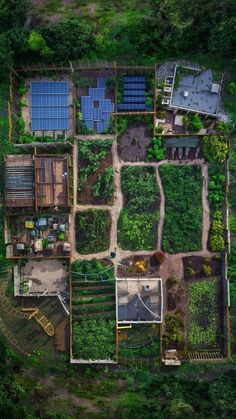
<point x="134" y="79"/>
<point x="106" y="105"/>
<point x="134" y="93"/>
<point x="96" y="94"/>
<point x="48" y="100"/>
<point x="88" y="123"/>
<point x="59" y="112"/>
<point x="130" y="106"/>
<point x="134" y="99"/>
<point x="101" y="82"/>
<point x="135" y="86"/>
<point x="49" y="124"/>
<point x="49" y="87"/>
<point x="49" y="105"/>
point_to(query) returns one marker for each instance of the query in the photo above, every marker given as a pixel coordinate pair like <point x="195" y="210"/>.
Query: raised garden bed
<point x="196" y="267"/>
<point x="182" y="230"/>
<point x="204" y="319"/>
<point x="137" y="225"/>
<point x="92" y="230"/>
<point x="95" y="173"/>
<point x="138" y="266"/>
<point x="93" y="309"/>
<point x="139" y="342"/>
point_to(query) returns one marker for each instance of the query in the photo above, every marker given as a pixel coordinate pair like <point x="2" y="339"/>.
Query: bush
<point x="156" y="151"/>
<point x="214" y="148"/>
<point x="216" y="239"/>
<point x="206" y="270"/>
<point x="191" y="271"/>
<point x="196" y="123"/>
<point x="231" y="88"/>
<point x="160" y="257"/>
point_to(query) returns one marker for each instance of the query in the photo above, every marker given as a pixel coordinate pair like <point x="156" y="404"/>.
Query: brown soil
<point x="85" y="197"/>
<point x="196" y="263"/>
<point x="93" y="75"/>
<point x="133" y="145"/>
<point x="126" y="267"/>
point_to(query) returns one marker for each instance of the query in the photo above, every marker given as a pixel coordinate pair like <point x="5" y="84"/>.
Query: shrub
<point x="196" y="123"/>
<point x="214" y="148"/>
<point x="156" y="150"/>
<point x="231" y="88"/>
<point x="206" y="270"/>
<point x="191" y="271"/>
<point x="159" y="256"/>
<point x="216" y="240"/>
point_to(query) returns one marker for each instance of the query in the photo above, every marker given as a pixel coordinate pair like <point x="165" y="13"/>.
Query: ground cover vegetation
<point x="183" y="208"/>
<point x="202" y="330"/>
<point x="93" y="309"/>
<point x="92" y="230"/>
<point x="215" y="148"/>
<point x="156" y="151"/>
<point x="138" y="219"/>
<point x="95" y="172"/>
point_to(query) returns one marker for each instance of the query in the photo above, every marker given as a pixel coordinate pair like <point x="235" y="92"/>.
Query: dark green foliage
<point x="216" y="237"/>
<point x="69" y="39"/>
<point x="202" y="331"/>
<point x="216" y="193"/>
<point x="214" y="148"/>
<point x="94" y="270"/>
<point x="156" y="151"/>
<point x="183" y="208"/>
<point x="192" y="122"/>
<point x="94" y="339"/>
<point x="92" y="231"/>
<point x="91" y="153"/>
<point x="138" y="220"/>
<point x="104" y="185"/>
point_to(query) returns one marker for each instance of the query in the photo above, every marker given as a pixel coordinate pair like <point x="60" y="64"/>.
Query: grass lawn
<point x="183" y="208"/>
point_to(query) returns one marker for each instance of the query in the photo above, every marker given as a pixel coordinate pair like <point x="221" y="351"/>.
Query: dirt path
<point x="173" y="264"/>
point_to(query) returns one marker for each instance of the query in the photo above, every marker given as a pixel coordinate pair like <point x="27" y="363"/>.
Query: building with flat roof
<point x="195" y="90"/>
<point x="139" y="300"/>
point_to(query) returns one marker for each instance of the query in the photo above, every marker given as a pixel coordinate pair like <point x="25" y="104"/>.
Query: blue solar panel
<point x="134" y="79"/>
<point x="105" y="117"/>
<point x="134" y="92"/>
<point x="87" y="113"/>
<point x="106" y="105"/>
<point x="49" y="105"/>
<point x="135" y="99"/>
<point x="97" y="114"/>
<point x="49" y="124"/>
<point x="59" y="112"/>
<point x="130" y="106"/>
<point x="49" y="100"/>
<point x="101" y="82"/>
<point x="88" y="123"/>
<point x="135" y="86"/>
<point x="86" y="101"/>
<point x="49" y="87"/>
<point x="102" y="126"/>
<point x="96" y="94"/>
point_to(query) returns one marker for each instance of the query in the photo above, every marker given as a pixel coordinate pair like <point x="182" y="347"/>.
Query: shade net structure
<point x="49" y="105"/>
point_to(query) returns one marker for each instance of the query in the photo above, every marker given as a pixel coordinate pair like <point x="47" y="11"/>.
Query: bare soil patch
<point x="133" y="145"/>
<point x="194" y="267"/>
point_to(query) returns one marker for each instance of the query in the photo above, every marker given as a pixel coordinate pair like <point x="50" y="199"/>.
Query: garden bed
<point x="95" y="172"/>
<point x="196" y="267"/>
<point x="139" y="342"/>
<point x="93" y="309"/>
<point x="134" y="142"/>
<point x="205" y="314"/>
<point x="92" y="230"/>
<point x="138" y="266"/>
<point x="137" y="225"/>
<point x="182" y="230"/>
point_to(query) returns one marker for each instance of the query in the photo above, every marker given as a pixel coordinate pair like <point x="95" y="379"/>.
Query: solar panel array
<point x="97" y="118"/>
<point x="134" y="97"/>
<point x="49" y="103"/>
